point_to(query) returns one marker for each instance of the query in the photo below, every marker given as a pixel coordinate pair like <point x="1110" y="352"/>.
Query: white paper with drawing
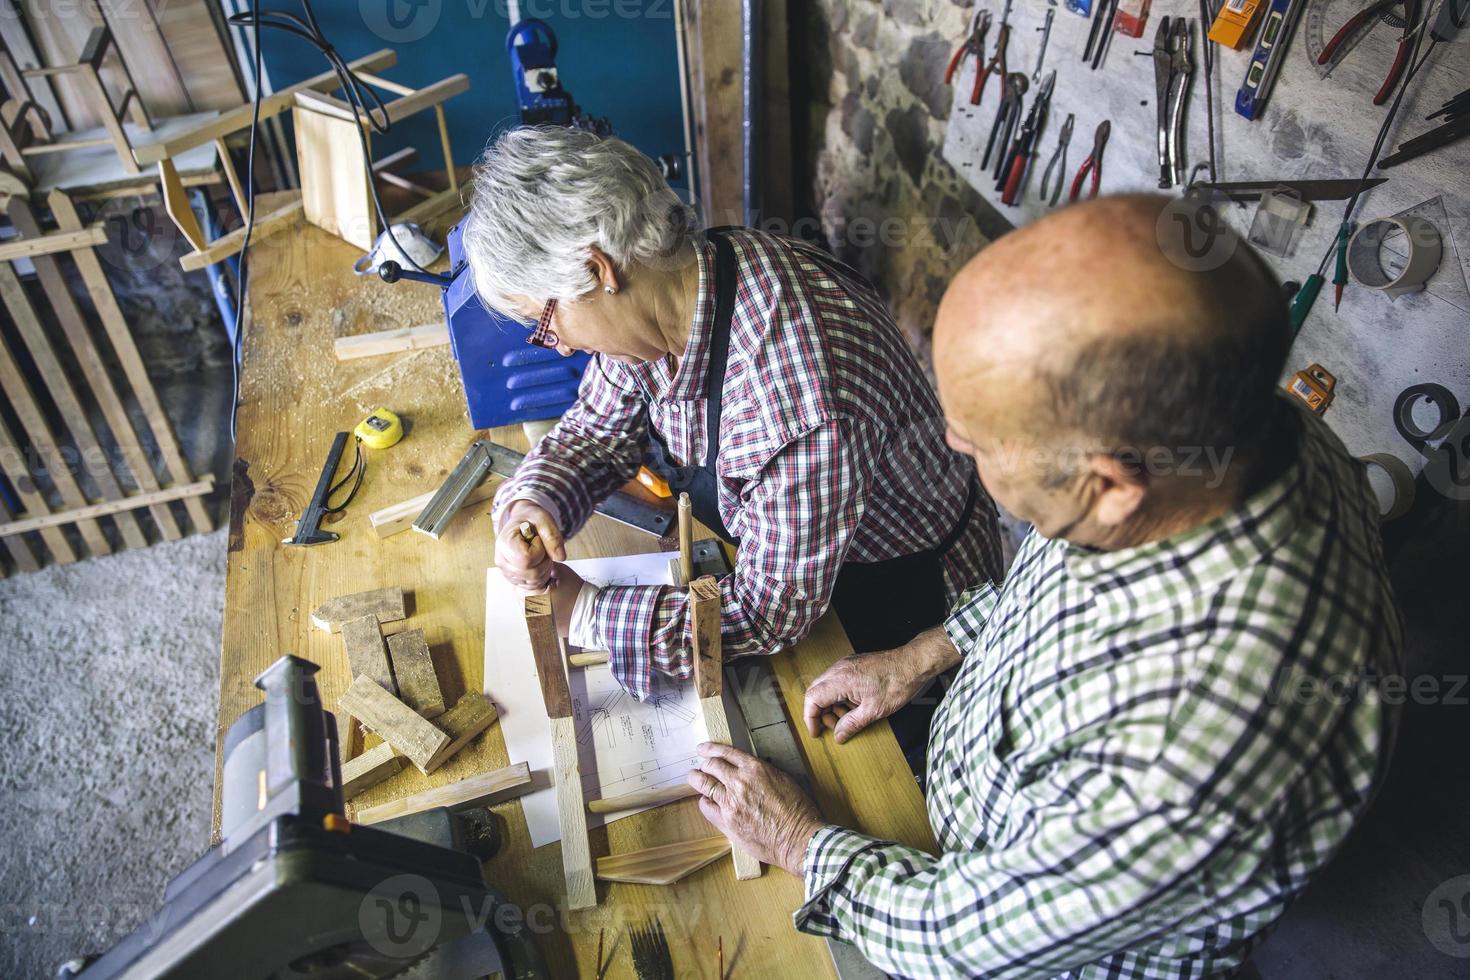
<point x="624" y="745"/>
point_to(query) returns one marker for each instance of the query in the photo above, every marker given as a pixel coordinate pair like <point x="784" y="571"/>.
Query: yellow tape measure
<point x="380" y="429"/>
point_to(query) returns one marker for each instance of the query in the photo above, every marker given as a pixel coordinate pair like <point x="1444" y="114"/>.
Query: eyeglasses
<point x="541" y="334"/>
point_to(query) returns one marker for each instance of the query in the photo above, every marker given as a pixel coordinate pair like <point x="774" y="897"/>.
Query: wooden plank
<point x="400" y="516"/>
<point x="18" y="42"/>
<point x="413" y="669"/>
<point x="74" y="326"/>
<point x="53" y="242"/>
<point x="393" y="721"/>
<point x="33" y="421"/>
<point x="657" y="796"/>
<point x="546" y="648"/>
<point x="20" y="551"/>
<point x="194" y="34"/>
<point x="227" y="164"/>
<point x="486" y="789"/>
<point x="126" y="351"/>
<point x="207" y="131"/>
<point x="336" y="188"/>
<point x="704" y="616"/>
<point x="415" y="101"/>
<point x="470" y="716"/>
<point x="90" y="83"/>
<point x="369" y="769"/>
<point x="13" y="465"/>
<point x="576" y="849"/>
<point x="391" y="341"/>
<point x="367" y="656"/>
<point x="386" y="604"/>
<point x="106" y="507"/>
<point x="665" y="864"/>
<point x="176" y="203"/>
<point x="229" y="244"/>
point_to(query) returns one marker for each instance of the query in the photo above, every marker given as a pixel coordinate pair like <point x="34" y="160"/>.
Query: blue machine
<point x="505" y="379"/>
<point x="531" y="45"/>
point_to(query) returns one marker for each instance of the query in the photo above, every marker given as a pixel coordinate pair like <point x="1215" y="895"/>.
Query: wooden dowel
<point x="656" y="796"/>
<point x="686" y="538"/>
<point x="588" y="658"/>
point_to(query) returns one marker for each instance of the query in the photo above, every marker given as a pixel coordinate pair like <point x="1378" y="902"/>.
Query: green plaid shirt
<point x="1147" y="753"/>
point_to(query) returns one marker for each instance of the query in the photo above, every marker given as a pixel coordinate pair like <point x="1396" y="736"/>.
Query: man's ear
<point x="1120" y="488"/>
<point x="603" y="269"/>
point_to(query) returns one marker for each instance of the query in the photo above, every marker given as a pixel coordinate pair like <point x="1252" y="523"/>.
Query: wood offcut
<point x="367" y="656"/>
<point x="369" y="769"/>
<point x="665" y="864"/>
<point x="394" y="722"/>
<point x="471" y="715"/>
<point x="386" y="604"/>
<point x="413" y="670"/>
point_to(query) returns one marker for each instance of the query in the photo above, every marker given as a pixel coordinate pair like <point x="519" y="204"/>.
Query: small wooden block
<point x="576" y="851"/>
<point x="704" y="617"/>
<point x="413" y="669"/>
<point x="369" y="769"/>
<point x="665" y="864"/>
<point x="470" y="716"/>
<point x="366" y="654"/>
<point x="395" y="722"/>
<point x="391" y="341"/>
<point x="546" y="649"/>
<point x="486" y="789"/>
<point x="657" y="796"/>
<point x="386" y="604"/>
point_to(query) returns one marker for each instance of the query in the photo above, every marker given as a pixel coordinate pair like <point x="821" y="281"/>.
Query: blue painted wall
<point x="617" y="57"/>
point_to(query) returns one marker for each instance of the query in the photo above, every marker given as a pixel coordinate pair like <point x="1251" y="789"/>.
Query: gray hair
<point x="544" y="195"/>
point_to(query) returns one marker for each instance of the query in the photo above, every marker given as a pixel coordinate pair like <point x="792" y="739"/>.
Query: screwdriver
<point x="1339" y="278"/>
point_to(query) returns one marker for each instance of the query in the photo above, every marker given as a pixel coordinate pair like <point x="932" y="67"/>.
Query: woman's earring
<point x="609" y="289"/>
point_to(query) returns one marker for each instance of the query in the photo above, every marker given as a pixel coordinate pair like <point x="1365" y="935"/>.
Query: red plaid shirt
<point x="831" y="449"/>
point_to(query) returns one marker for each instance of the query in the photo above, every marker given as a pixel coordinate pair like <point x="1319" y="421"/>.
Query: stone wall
<point x="869" y="126"/>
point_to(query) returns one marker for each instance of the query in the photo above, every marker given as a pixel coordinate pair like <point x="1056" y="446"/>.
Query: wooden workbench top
<point x="294" y="397"/>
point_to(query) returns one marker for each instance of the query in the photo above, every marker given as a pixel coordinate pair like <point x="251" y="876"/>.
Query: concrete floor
<point x="107" y="763"/>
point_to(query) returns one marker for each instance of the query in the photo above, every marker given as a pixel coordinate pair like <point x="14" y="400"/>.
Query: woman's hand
<point x="528" y="564"/>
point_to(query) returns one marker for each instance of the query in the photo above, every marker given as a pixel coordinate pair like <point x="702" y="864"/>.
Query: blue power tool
<point x="531" y="44"/>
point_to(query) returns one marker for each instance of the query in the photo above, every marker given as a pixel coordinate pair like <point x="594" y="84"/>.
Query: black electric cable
<point x="236" y="340"/>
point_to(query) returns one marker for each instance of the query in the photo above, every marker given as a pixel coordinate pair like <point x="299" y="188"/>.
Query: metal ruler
<point x="486" y="457"/>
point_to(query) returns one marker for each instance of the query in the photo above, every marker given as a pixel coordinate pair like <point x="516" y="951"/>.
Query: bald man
<point x="1163" y="722"/>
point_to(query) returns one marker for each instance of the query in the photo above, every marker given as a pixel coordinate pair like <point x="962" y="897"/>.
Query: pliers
<point x="997" y="60"/>
<point x="1006" y="119"/>
<point x="1059" y="156"/>
<point x="1093" y="163"/>
<point x="974" y="44"/>
<point x="1406" y="42"/>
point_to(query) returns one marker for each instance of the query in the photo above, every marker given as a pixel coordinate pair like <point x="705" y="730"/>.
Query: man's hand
<point x="756" y="805"/>
<point x="865" y="687"/>
<point x="528" y="564"/>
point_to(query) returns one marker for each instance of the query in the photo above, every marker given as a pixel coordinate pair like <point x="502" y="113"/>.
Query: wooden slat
<point x="657" y="796"/>
<point x="114" y="507"/>
<point x="176" y="202"/>
<point x="194" y="34"/>
<point x="52" y="242"/>
<point x="226" y="245"/>
<point x="415" y="101"/>
<point x="486" y="789"/>
<point x="238" y="118"/>
<point x="22" y="51"/>
<point x="546" y="648"/>
<point x="11" y="460"/>
<point x="400" y="516"/>
<point x="94" y="460"/>
<point x="74" y="326"/>
<point x="126" y="351"/>
<point x="413" y="672"/>
<point x="576" y="849"/>
<point x="391" y="341"/>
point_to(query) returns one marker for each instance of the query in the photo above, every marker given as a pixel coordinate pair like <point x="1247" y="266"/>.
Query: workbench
<point x="294" y="396"/>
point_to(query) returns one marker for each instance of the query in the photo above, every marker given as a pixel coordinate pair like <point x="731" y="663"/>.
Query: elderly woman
<point x="757" y="373"/>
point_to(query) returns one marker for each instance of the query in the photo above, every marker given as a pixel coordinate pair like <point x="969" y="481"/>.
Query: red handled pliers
<point x="1093" y="163"/>
<point x="1406" y="42"/>
<point x="974" y="44"/>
